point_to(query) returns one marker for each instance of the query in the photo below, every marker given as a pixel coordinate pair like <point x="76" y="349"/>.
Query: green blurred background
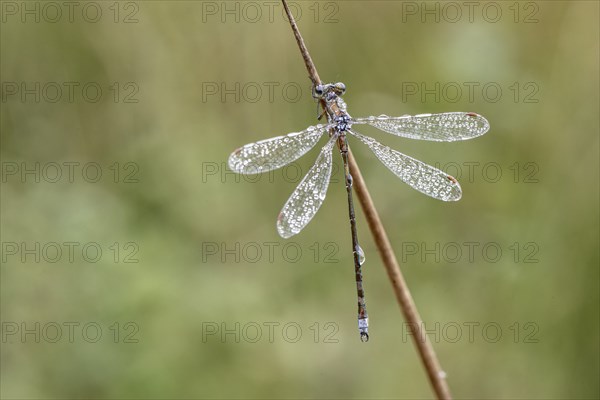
<point x="192" y="268"/>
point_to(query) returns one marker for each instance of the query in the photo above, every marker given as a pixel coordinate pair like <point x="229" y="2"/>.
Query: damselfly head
<point x="322" y="91"/>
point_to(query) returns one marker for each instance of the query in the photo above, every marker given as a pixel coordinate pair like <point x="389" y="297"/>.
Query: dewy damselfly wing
<point x="303" y="204"/>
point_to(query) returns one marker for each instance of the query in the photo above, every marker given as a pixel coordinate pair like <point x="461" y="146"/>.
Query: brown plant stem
<point x="435" y="373"/>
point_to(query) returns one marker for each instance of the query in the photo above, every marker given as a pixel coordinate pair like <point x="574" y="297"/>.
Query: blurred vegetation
<point x="174" y="203"/>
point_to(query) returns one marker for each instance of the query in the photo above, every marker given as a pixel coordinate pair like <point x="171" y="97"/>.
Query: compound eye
<point x="341" y="87"/>
<point x="319" y="90"/>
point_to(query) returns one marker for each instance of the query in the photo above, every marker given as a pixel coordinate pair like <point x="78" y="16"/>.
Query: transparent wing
<point x="446" y="127"/>
<point x="304" y="203"/>
<point x="270" y="154"/>
<point x="425" y="178"/>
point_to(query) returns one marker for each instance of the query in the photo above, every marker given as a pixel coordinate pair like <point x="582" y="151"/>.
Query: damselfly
<point x="303" y="204"/>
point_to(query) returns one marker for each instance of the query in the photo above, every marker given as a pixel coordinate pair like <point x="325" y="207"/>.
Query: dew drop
<point x="361" y="255"/>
